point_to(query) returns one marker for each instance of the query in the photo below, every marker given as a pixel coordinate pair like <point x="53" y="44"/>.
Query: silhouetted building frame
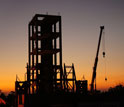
<point x="45" y="75"/>
<point x="45" y="54"/>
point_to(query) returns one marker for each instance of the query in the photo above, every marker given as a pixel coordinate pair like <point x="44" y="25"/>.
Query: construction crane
<point x="93" y="82"/>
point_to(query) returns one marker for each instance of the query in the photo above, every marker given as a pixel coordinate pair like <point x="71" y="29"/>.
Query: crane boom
<point x="96" y="61"/>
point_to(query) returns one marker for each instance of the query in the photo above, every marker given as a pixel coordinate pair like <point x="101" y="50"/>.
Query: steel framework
<point x="69" y="78"/>
<point x="45" y="54"/>
<point x="45" y="75"/>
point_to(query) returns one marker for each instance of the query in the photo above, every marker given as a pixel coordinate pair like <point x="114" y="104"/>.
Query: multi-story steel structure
<point x="45" y="58"/>
<point x="45" y="76"/>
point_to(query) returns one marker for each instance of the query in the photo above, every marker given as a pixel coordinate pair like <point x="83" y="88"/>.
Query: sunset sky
<point x="81" y="21"/>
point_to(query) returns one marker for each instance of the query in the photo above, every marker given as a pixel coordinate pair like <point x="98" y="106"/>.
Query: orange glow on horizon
<point x="9" y="83"/>
<point x="80" y="33"/>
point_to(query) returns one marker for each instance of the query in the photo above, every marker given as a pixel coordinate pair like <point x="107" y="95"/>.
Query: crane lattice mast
<point x="93" y="82"/>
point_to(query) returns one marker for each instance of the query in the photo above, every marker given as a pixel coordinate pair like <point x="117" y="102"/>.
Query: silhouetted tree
<point x="2" y="99"/>
<point x="2" y="95"/>
<point x="117" y="90"/>
<point x="11" y="99"/>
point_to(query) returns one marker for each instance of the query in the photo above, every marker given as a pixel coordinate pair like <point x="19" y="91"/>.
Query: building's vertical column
<point x="60" y="46"/>
<point x="29" y="57"/>
<point x="37" y="55"/>
<point x="64" y="78"/>
<point x="55" y="60"/>
<point x="73" y="78"/>
<point x="32" y="74"/>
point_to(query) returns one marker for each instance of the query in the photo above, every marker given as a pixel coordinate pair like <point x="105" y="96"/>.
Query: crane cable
<point x="104" y="54"/>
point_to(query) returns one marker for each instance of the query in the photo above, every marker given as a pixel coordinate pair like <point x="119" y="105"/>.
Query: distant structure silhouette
<point x="45" y="75"/>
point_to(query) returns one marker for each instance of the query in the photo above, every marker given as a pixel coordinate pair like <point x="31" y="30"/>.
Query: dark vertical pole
<point x="29" y="59"/>
<point x="40" y="40"/>
<point x="55" y="43"/>
<point x="32" y="59"/>
<point x="55" y="74"/>
<point x="16" y="96"/>
<point x="64" y="78"/>
<point x="60" y="44"/>
<point x="36" y="55"/>
<point x="73" y="76"/>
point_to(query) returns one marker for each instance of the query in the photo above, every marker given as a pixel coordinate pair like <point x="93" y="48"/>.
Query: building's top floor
<point x="40" y="19"/>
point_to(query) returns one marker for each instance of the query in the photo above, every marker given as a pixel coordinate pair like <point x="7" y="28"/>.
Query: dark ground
<point x="114" y="97"/>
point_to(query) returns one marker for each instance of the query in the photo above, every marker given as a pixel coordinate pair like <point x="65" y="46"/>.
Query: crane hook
<point x="103" y="54"/>
<point x="105" y="78"/>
